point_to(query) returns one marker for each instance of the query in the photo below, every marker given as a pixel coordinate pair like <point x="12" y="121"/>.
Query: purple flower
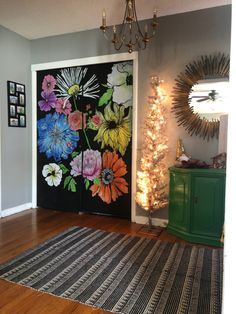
<point x="48" y="102"/>
<point x="92" y="163"/>
<point x="49" y="83"/>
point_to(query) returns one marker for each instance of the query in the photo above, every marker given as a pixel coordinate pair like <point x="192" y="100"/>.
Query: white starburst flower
<point x="72" y="83"/>
<point x="52" y="174"/>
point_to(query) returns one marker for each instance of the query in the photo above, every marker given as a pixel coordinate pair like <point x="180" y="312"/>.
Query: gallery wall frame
<point x="16" y="104"/>
<point x="81" y="62"/>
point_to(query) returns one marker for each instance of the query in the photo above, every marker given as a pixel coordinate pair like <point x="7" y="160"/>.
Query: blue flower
<point x="55" y="138"/>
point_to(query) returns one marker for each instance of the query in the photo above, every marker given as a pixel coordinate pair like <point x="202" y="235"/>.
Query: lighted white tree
<point x="152" y="177"/>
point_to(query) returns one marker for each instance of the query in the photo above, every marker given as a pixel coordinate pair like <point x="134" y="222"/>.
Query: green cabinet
<point x="196" y="204"/>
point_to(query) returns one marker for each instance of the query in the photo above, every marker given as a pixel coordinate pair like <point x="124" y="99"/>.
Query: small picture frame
<point x="16" y="104"/>
<point x="12" y="111"/>
<point x="22" y="120"/>
<point x="20" y="88"/>
<point x="20" y="110"/>
<point x="14" y="122"/>
<point x="12" y="88"/>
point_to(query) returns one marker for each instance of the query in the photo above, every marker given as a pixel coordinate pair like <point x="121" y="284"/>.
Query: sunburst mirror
<point x="200" y="93"/>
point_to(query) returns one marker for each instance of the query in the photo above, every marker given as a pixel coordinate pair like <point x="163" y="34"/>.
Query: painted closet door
<point x="84" y="138"/>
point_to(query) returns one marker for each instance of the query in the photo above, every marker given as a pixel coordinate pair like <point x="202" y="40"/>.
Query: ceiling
<point x="36" y="19"/>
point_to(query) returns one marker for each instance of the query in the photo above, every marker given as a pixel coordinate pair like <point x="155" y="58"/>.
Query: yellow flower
<point x="115" y="129"/>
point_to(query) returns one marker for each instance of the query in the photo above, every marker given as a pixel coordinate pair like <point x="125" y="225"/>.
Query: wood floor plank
<point x="26" y="230"/>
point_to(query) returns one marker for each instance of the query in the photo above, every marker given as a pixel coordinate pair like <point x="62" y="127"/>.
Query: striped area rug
<point x="122" y="273"/>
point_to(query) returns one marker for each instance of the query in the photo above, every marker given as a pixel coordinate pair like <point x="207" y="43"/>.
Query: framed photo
<point x="12" y="111"/>
<point x="16" y="104"/>
<point x="20" y="110"/>
<point x="12" y="88"/>
<point x="13" y="100"/>
<point x="20" y="88"/>
<point x="21" y="99"/>
<point x="22" y="121"/>
<point x="14" y="122"/>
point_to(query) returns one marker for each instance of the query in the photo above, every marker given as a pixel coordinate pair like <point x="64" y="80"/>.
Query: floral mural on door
<point x="84" y="137"/>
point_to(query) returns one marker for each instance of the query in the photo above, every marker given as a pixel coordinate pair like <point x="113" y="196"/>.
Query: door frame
<point x="79" y="62"/>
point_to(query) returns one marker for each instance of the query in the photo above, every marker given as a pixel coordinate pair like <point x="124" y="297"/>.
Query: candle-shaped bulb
<point x="114" y="29"/>
<point x="155" y="13"/>
<point x="103" y="17"/>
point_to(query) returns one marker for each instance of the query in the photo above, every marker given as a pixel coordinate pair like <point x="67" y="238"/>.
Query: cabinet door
<point x="179" y="201"/>
<point x="207" y="206"/>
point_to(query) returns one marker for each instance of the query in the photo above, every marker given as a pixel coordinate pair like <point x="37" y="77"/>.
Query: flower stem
<point x="74" y="99"/>
<point x="87" y="140"/>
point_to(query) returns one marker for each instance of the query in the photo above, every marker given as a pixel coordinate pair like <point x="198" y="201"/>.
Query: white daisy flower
<point x="121" y="81"/>
<point x="71" y="83"/>
<point x="52" y="174"/>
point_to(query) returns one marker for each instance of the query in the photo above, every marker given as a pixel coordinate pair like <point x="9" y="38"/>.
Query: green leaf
<point x="87" y="184"/>
<point x="97" y="181"/>
<point x="67" y="181"/>
<point x="63" y="168"/>
<point x="74" y="154"/>
<point x="104" y="99"/>
<point x="104" y="85"/>
<point x="72" y="185"/>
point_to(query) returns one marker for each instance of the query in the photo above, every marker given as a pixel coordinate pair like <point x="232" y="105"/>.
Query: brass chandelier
<point x="129" y="34"/>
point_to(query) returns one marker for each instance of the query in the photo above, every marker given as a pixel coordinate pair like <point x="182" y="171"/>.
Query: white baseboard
<point x="155" y="221"/>
<point x="15" y="210"/>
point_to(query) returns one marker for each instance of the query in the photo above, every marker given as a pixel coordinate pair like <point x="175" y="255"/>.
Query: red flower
<point x="96" y="120"/>
<point x="75" y="120"/>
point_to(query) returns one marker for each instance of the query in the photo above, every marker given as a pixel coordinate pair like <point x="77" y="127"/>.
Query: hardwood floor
<point x="27" y="229"/>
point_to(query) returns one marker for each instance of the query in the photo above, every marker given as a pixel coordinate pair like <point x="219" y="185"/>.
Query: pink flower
<point x="75" y="120"/>
<point x="96" y="120"/>
<point x="63" y="106"/>
<point x="92" y="163"/>
<point x="49" y="83"/>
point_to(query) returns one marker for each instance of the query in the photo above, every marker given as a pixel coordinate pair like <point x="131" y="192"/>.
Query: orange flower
<point x="112" y="185"/>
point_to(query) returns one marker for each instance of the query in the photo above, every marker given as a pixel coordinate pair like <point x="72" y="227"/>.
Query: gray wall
<point x="15" y="142"/>
<point x="180" y="39"/>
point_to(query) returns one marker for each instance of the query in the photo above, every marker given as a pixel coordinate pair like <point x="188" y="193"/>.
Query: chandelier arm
<point x="144" y="36"/>
<point x="117" y="47"/>
<point x="120" y="37"/>
<point x="105" y="35"/>
<point x="142" y="44"/>
<point x="130" y="42"/>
